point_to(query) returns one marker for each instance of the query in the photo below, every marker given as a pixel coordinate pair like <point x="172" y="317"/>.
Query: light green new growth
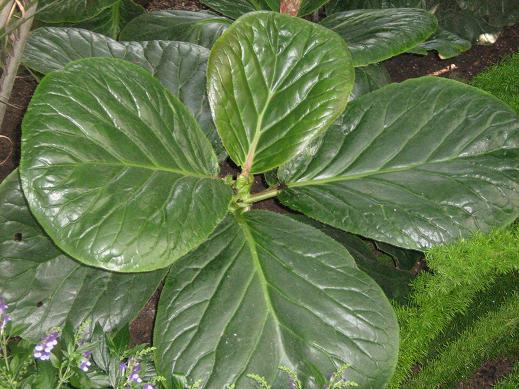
<point x="293" y="376"/>
<point x="336" y="381"/>
<point x="261" y="381"/>
<point x="502" y="81"/>
<point x="459" y="272"/>
<point x="511" y="381"/>
<point x="196" y="385"/>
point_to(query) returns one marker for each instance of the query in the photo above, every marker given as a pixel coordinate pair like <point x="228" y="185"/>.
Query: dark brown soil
<point x="189" y="5"/>
<point x="10" y="145"/>
<point x="141" y="328"/>
<point x="489" y="373"/>
<point x="463" y="67"/>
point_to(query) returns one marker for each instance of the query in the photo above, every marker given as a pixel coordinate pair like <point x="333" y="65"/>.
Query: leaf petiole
<point x="265" y="195"/>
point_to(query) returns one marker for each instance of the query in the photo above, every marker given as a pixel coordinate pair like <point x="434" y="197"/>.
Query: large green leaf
<point x="71" y="11"/>
<point x="309" y="6"/>
<point x="111" y="20"/>
<point x="369" y="78"/>
<point x="202" y="28"/>
<point x="104" y="16"/>
<point x="45" y="288"/>
<point x="393" y="280"/>
<point x="276" y="82"/>
<point x="376" y="35"/>
<point x="180" y="66"/>
<point x="116" y="169"/>
<point x="265" y="291"/>
<point x="345" y="5"/>
<point x="51" y="48"/>
<point x="413" y="164"/>
<point x="446" y="43"/>
<point x="236" y="8"/>
<point x="498" y="13"/>
<point x="469" y="19"/>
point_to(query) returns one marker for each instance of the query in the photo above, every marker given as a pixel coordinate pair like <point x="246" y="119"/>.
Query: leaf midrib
<point x="251" y="243"/>
<point x="353" y="177"/>
<point x="136" y="166"/>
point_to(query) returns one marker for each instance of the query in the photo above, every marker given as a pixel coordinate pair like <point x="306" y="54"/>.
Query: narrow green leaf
<point x="266" y="291"/>
<point x="275" y="83"/>
<point x="379" y="34"/>
<point x="44" y="288"/>
<point x="179" y="66"/>
<point x="202" y="28"/>
<point x="119" y="174"/>
<point x="414" y="164"/>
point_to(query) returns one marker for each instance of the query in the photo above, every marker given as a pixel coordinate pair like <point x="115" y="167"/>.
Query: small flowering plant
<point x="7" y="375"/>
<point x="68" y="353"/>
<point x="43" y="350"/>
<point x="65" y="358"/>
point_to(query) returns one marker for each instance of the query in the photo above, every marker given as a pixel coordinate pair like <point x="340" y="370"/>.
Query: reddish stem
<point x="290" y="7"/>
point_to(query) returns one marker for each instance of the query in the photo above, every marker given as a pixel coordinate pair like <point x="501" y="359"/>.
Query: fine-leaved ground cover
<point x="502" y="80"/>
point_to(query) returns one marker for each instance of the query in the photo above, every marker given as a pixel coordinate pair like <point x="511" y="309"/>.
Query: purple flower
<point x="3" y="306"/>
<point x="42" y="350"/>
<point x="4" y="317"/>
<point x="123" y="366"/>
<point x="135" y="373"/>
<point x="85" y="362"/>
<point x="4" y="320"/>
<point x="149" y="386"/>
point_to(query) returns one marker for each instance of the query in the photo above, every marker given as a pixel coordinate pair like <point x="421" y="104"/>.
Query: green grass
<point x="460" y="273"/>
<point x="502" y="81"/>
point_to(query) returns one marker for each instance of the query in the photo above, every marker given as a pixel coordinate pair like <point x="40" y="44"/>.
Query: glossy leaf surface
<point x="179" y="66"/>
<point x="472" y="20"/>
<point x="45" y="288"/>
<point x="271" y="96"/>
<point x="236" y="8"/>
<point x="119" y="174"/>
<point x="202" y="28"/>
<point x="446" y="43"/>
<point x="266" y="291"/>
<point x="309" y="6"/>
<point x="375" y="35"/>
<point x="111" y="20"/>
<point x="413" y="164"/>
<point x="345" y="5"/>
<point x="393" y="281"/>
<point x="71" y="11"/>
<point x="369" y="78"/>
